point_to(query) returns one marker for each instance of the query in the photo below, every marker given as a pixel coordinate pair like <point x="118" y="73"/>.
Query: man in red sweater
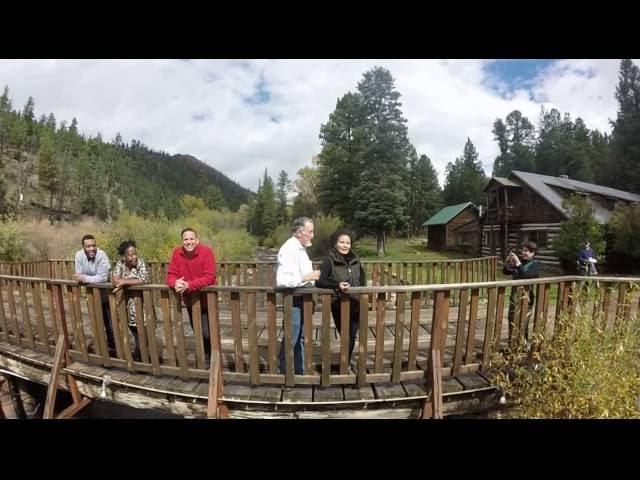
<point x="193" y="267"/>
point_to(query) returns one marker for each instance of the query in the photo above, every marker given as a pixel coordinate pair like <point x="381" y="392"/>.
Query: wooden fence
<point x="395" y="341"/>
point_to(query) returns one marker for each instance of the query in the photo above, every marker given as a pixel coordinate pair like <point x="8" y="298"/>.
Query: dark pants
<point x="106" y="315"/>
<point x="514" y="307"/>
<point x="354" y="320"/>
<point x="204" y="320"/>
<point x="111" y="343"/>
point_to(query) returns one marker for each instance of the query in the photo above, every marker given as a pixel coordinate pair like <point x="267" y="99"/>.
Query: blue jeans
<point x="297" y="337"/>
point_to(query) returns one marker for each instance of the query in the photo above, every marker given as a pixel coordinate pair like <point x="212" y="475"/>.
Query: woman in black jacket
<point x="340" y="270"/>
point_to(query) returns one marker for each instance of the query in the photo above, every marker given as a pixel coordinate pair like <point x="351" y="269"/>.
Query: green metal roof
<point x="447" y="214"/>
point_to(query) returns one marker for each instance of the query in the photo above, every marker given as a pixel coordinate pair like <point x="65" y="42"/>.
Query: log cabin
<point x="454" y="227"/>
<point x="528" y="207"/>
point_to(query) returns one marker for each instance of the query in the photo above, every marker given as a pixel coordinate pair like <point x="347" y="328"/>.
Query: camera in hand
<point x="517" y="252"/>
<point x="511" y="261"/>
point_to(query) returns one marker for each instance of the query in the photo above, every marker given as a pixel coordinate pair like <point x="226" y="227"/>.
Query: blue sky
<point x="242" y="116"/>
<point x="516" y="74"/>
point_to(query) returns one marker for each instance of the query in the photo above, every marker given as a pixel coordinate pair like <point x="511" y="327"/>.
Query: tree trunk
<point x="51" y="207"/>
<point x="381" y="242"/>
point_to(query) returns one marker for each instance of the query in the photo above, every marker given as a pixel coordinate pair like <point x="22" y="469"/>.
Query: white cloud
<point x="201" y="107"/>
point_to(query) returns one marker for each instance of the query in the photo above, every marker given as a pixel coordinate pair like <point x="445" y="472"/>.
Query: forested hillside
<point x="49" y="167"/>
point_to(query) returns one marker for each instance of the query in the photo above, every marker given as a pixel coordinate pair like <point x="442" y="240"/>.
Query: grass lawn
<point x="402" y="249"/>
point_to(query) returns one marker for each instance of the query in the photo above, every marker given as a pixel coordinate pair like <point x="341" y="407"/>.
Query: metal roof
<point x="447" y="214"/>
<point x="555" y="189"/>
<point x="505" y="182"/>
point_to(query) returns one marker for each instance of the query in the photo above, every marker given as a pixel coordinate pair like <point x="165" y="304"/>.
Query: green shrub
<point x="231" y="245"/>
<point x="625" y="228"/>
<point x="12" y="247"/>
<point x="587" y="370"/>
<point x="157" y="237"/>
<point x="324" y="226"/>
<point x="581" y="226"/>
<point x="280" y="235"/>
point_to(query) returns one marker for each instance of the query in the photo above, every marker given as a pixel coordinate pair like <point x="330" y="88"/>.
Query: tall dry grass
<point x="61" y="240"/>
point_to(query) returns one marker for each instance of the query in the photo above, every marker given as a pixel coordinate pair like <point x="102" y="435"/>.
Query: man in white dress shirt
<point x="295" y="270"/>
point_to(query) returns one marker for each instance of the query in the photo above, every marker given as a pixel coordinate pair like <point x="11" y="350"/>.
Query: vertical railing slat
<point x="272" y="332"/>
<point x="487" y="347"/>
<point x="325" y="339"/>
<point x="362" y="341"/>
<point x="380" y="313"/>
<point x="151" y="323"/>
<point x="345" y="310"/>
<point x="399" y="335"/>
<point x="470" y="354"/>
<point x="415" y="327"/>
<point x="35" y="288"/>
<point x="252" y="332"/>
<point x="196" y="313"/>
<point x="236" y="327"/>
<point x="26" y="317"/>
<point x="307" y="326"/>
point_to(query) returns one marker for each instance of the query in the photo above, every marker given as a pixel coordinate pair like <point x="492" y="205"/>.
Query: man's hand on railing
<point x="181" y="285"/>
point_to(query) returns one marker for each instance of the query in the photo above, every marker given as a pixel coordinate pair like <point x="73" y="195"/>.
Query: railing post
<point x="215" y="408"/>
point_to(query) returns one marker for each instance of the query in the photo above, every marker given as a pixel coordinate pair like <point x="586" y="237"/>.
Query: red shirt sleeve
<point x="207" y="277"/>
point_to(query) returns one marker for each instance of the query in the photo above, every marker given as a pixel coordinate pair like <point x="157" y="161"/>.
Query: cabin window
<point x="538" y="236"/>
<point x="464" y="238"/>
<point x="496" y="238"/>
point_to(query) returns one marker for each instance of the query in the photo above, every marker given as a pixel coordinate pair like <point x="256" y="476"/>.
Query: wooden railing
<point x="28" y="269"/>
<point x="395" y="341"/>
<point x="378" y="273"/>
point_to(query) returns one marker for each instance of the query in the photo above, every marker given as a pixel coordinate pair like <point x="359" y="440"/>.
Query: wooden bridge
<point x="422" y="350"/>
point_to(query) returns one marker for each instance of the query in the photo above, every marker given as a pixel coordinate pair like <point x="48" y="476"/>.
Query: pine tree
<point x="4" y="206"/>
<point x="262" y="218"/>
<point x="515" y="138"/>
<point x="425" y="194"/>
<point x="48" y="174"/>
<point x="625" y="136"/>
<point x="380" y="198"/>
<point x="340" y="160"/>
<point x="5" y="101"/>
<point x="213" y="197"/>
<point x="5" y="118"/>
<point x="282" y="191"/>
<point x="27" y="112"/>
<point x="465" y="178"/>
<point x="600" y="162"/>
<point x="306" y="202"/>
